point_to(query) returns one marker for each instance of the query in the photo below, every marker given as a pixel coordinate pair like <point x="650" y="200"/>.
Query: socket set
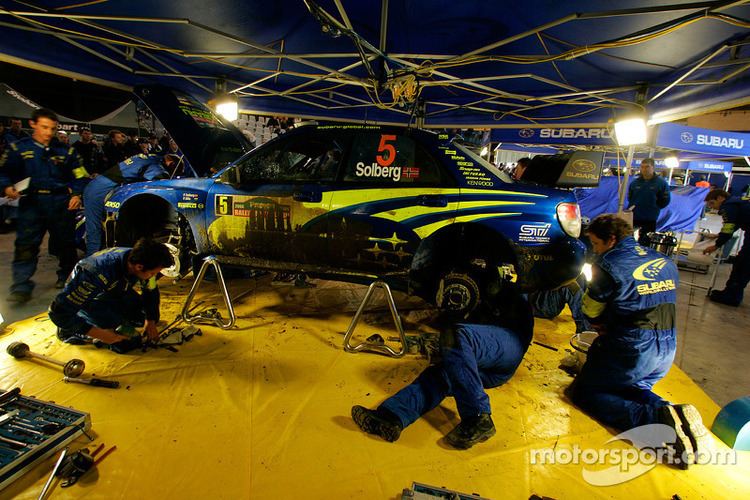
<point x="32" y="430"/>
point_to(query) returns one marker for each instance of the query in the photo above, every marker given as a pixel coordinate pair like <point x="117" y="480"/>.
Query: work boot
<point x="683" y="454"/>
<point x="692" y="423"/>
<point x="18" y="298"/>
<point x="377" y="422"/>
<point x="721" y="297"/>
<point x="471" y="431"/>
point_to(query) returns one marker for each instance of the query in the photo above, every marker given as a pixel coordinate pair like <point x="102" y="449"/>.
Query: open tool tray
<point x="38" y="429"/>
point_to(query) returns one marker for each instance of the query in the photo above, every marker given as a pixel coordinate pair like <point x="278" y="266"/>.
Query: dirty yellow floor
<point x="262" y="411"/>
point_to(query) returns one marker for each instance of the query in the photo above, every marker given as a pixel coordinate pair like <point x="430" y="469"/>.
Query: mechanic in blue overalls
<point x="483" y="352"/>
<point x="57" y="178"/>
<point x="630" y="301"/>
<point x="735" y="213"/>
<point x="111" y="293"/>
<point x="134" y="169"/>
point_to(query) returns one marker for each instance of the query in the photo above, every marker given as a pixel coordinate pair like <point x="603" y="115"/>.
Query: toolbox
<point x="32" y="430"/>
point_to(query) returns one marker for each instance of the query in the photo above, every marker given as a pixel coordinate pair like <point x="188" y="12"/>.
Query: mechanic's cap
<point x="62" y="132"/>
<point x="85" y="129"/>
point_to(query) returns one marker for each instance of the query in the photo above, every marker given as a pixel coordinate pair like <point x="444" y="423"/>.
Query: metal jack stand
<point x="372" y="346"/>
<point x="202" y="317"/>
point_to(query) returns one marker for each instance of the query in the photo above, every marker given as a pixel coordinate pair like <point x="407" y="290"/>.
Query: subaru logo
<point x="686" y="137"/>
<point x="526" y="133"/>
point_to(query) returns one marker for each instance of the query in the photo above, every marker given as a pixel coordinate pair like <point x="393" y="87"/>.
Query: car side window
<point x="304" y="158"/>
<point x="390" y="159"/>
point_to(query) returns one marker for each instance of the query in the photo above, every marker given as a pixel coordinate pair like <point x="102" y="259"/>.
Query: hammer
<point x="72" y="368"/>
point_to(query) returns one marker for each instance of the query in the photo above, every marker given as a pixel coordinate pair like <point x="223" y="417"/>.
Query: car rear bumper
<point x="550" y="266"/>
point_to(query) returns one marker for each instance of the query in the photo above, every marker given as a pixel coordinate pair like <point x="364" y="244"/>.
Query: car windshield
<point x="481" y="161"/>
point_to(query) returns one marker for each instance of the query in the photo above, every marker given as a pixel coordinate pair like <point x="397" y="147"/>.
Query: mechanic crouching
<point x="483" y="352"/>
<point x="630" y="301"/>
<point x="111" y="293"/>
<point x="134" y="169"/>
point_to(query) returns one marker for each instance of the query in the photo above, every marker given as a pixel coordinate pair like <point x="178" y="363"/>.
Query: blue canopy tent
<point x="435" y="63"/>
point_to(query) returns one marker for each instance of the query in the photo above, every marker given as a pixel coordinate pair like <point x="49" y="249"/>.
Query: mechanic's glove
<point x="123" y="346"/>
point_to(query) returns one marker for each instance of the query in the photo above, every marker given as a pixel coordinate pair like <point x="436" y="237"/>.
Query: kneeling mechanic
<point x="110" y="294"/>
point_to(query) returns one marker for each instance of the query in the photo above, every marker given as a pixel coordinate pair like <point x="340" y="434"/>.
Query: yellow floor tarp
<point x="262" y="411"/>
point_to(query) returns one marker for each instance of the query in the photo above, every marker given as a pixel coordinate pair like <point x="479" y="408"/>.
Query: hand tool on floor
<point x="72" y="368"/>
<point x="96" y="382"/>
<point x="52" y="476"/>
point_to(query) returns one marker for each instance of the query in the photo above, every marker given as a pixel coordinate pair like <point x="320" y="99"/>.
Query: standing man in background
<point x="56" y="180"/>
<point x="88" y="150"/>
<point x="648" y="194"/>
<point x="735" y="212"/>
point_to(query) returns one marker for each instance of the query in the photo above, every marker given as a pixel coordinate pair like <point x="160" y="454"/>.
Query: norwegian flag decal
<point x="410" y="173"/>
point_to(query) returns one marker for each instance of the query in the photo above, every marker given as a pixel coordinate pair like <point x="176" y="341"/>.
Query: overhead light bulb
<point x="228" y="108"/>
<point x="671" y="162"/>
<point x="631" y="131"/>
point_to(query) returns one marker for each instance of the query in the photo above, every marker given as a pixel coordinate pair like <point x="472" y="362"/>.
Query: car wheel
<point x="458" y="293"/>
<point x="179" y="239"/>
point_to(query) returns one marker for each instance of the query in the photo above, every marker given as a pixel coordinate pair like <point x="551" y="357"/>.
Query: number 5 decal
<point x="223" y="205"/>
<point x="384" y="147"/>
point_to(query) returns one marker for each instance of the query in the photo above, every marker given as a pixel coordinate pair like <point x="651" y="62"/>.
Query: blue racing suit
<point x="649" y="197"/>
<point x="56" y="174"/>
<point x="549" y="304"/>
<point x="102" y="293"/>
<point x="474" y="356"/>
<point x="632" y="296"/>
<point x="134" y="169"/>
<point x="736" y="215"/>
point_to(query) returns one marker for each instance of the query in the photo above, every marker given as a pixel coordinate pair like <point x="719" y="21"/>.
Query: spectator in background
<point x="116" y="149"/>
<point x="62" y="138"/>
<point x="155" y="147"/>
<point x="144" y="146"/>
<point x="14" y="132"/>
<point x="521" y="167"/>
<point x="89" y="151"/>
<point x="647" y="195"/>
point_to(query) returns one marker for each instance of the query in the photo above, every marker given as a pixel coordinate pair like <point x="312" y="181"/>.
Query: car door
<point x="393" y="193"/>
<point x="273" y="204"/>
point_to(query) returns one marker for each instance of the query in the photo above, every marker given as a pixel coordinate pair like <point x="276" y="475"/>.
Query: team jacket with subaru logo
<point x="634" y="288"/>
<point x="53" y="169"/>
<point x="102" y="277"/>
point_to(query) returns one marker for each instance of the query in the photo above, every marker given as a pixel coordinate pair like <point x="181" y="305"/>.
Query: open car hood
<point x="578" y="169"/>
<point x="208" y="141"/>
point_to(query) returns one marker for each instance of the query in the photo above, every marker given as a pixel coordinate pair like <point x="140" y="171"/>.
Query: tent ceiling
<point x="538" y="62"/>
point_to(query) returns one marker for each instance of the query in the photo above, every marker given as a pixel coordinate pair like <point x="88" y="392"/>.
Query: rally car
<point x="359" y="202"/>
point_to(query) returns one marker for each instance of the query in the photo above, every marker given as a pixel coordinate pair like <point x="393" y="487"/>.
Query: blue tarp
<point x="681" y="214"/>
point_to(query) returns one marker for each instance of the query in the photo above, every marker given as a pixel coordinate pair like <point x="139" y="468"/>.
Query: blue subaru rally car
<point x="354" y="202"/>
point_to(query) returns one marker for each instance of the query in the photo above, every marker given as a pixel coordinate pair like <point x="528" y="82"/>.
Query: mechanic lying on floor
<point x="630" y="301"/>
<point x="111" y="293"/>
<point x="482" y="352"/>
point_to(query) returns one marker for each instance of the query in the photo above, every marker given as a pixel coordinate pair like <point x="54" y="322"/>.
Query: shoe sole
<point x="372" y="424"/>
<point x="684" y="453"/>
<point x="695" y="429"/>
<point x="465" y="445"/>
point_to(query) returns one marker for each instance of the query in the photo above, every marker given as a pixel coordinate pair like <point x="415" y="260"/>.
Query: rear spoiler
<point x="578" y="169"/>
